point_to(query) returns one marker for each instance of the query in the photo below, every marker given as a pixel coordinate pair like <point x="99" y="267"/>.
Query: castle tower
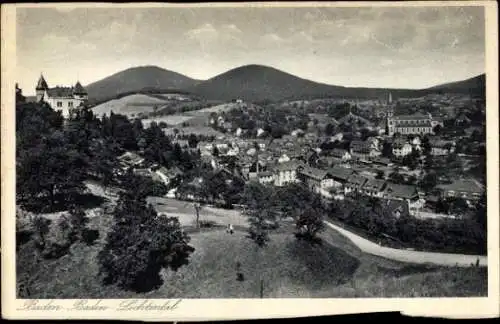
<point x="41" y="87"/>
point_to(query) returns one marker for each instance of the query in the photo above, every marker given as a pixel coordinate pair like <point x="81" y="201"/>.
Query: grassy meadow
<point x="289" y="268"/>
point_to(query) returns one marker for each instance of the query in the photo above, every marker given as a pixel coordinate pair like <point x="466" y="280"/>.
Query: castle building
<point x="64" y="99"/>
<point x="416" y="124"/>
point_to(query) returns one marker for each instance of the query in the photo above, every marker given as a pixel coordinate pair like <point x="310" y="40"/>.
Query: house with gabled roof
<point x="406" y="193"/>
<point x="468" y="189"/>
<point x="340" y="175"/>
<point x="316" y="179"/>
<point x="373" y="188"/>
<point x="362" y="149"/>
<point x="354" y="183"/>
<point x="342" y="155"/>
<point x="131" y="159"/>
<point x="440" y="147"/>
<point x="286" y="172"/>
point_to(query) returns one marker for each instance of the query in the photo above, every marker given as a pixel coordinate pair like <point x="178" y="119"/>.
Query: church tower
<point x="41" y="87"/>
<point x="389" y="100"/>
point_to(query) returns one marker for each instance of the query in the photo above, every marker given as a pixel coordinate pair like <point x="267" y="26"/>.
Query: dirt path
<point x="419" y="257"/>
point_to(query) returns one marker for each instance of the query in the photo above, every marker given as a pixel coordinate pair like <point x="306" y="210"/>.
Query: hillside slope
<point x="136" y="79"/>
<point x="475" y="85"/>
<point x="258" y="82"/>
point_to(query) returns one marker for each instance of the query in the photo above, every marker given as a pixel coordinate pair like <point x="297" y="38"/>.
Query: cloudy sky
<point x="372" y="47"/>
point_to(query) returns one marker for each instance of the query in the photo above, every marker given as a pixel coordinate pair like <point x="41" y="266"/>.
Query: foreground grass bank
<point x="288" y="267"/>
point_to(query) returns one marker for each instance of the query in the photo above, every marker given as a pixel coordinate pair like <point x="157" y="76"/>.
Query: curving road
<point x="420" y="257"/>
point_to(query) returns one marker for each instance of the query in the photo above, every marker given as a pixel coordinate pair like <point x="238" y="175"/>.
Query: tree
<point x="41" y="227"/>
<point x="329" y="129"/>
<point x="260" y="212"/>
<point x="193" y="140"/>
<point x="292" y="199"/>
<point x="397" y="178"/>
<point x="215" y="151"/>
<point x="380" y="174"/>
<point x="437" y="129"/>
<point x="428" y="182"/>
<point x="53" y="167"/>
<point x="309" y="223"/>
<point x="78" y="222"/>
<point x="140" y="244"/>
<point x="387" y="150"/>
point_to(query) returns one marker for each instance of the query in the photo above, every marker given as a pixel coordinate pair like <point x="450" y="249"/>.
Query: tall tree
<point x="140" y="244"/>
<point x="260" y="212"/>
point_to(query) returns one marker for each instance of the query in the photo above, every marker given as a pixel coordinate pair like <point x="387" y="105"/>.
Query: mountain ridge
<point x="255" y="82"/>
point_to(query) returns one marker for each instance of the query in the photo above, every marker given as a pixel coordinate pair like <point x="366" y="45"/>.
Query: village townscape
<point x="193" y="193"/>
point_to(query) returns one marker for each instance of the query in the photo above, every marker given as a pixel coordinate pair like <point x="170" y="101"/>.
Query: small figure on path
<point x="230" y="229"/>
<point x="239" y="274"/>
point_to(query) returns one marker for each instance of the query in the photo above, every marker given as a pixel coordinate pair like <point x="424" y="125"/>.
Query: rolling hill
<point x="255" y="83"/>
<point x="137" y="79"/>
<point x="258" y="82"/>
<point x="475" y="85"/>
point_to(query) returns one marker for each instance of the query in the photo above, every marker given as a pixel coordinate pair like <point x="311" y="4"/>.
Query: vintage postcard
<point x="249" y="160"/>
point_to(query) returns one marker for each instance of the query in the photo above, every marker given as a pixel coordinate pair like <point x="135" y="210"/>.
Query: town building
<point x="354" y="184"/>
<point x="382" y="161"/>
<point x="64" y="99"/>
<point x="266" y="177"/>
<point x="441" y="147"/>
<point x="406" y="193"/>
<point x="363" y="150"/>
<point x="286" y="172"/>
<point x="342" y="155"/>
<point x="401" y="149"/>
<point x="373" y="188"/>
<point x="411" y="124"/>
<point x="464" y="188"/>
<point x="317" y="180"/>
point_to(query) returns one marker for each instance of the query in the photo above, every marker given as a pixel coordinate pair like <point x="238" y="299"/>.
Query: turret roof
<point x="79" y="89"/>
<point x="42" y="84"/>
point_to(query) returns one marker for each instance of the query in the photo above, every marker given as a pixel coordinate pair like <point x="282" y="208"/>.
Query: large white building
<point x="64" y="99"/>
<point x="417" y="124"/>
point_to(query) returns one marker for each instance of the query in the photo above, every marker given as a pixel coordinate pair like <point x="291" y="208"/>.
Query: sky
<point x="394" y="47"/>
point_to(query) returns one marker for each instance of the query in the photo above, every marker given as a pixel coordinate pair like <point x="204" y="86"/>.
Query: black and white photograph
<point x="250" y="152"/>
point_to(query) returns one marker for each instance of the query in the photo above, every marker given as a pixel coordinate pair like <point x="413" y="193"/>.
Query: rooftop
<point x="357" y="180"/>
<point x="467" y="185"/>
<point x="400" y="191"/>
<point x="314" y="173"/>
<point x="289" y="165"/>
<point x="340" y="173"/>
<point x="417" y="116"/>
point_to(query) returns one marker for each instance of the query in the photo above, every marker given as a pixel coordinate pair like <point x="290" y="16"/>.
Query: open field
<point x="194" y="119"/>
<point x="130" y="106"/>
